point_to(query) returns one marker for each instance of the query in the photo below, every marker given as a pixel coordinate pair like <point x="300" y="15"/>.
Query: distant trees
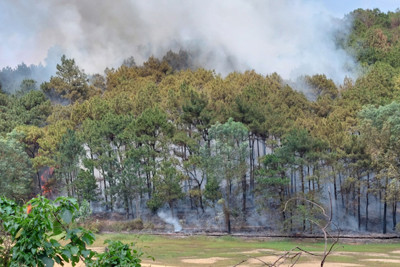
<point x="168" y="134"/>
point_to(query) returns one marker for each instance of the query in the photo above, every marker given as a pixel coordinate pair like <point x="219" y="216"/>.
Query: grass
<point x="169" y="250"/>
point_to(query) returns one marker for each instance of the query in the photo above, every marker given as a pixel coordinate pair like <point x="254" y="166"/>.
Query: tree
<point x="300" y="150"/>
<point x="69" y="152"/>
<point x="35" y="108"/>
<point x="16" y="174"/>
<point x="70" y="83"/>
<point x="179" y="61"/>
<point x="26" y="86"/>
<point x="167" y="184"/>
<point x="321" y="86"/>
<point x="380" y="128"/>
<point x="273" y="183"/>
<point x="229" y="151"/>
<point x="152" y="131"/>
<point x="29" y="136"/>
<point x="85" y="186"/>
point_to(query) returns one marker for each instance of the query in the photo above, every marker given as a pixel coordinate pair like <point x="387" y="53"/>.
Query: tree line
<point x="140" y="138"/>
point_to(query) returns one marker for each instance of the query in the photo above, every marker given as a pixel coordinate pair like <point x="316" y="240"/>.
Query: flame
<point x="44" y="178"/>
<point x="28" y="209"/>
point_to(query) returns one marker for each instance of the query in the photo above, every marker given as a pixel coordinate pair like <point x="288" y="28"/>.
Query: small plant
<point x="118" y="254"/>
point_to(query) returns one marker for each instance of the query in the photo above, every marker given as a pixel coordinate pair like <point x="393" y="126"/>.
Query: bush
<point x="135" y="224"/>
<point x="118" y="254"/>
<point x="39" y="229"/>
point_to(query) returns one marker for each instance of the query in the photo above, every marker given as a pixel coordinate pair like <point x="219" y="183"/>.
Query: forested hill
<point x="218" y="151"/>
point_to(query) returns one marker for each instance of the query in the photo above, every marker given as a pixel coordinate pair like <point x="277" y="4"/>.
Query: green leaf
<point x="85" y="253"/>
<point x="19" y="233"/>
<point x="66" y="216"/>
<point x="55" y="243"/>
<point x="57" y="228"/>
<point x="74" y="250"/>
<point x="66" y="254"/>
<point x="48" y="262"/>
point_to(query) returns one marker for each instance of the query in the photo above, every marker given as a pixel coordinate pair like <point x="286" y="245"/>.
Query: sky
<point x="290" y="37"/>
<point x="341" y="7"/>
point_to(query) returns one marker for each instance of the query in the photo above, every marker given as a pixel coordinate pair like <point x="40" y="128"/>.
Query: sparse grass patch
<point x="171" y="250"/>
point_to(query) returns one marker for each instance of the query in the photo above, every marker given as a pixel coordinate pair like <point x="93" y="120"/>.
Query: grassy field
<point x="228" y="251"/>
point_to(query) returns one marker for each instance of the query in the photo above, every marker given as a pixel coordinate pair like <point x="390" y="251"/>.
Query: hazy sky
<point x="342" y="7"/>
<point x="290" y="37"/>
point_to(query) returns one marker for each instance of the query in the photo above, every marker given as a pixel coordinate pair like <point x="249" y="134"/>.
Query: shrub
<point x="118" y="254"/>
<point x="135" y="224"/>
<point x="33" y="235"/>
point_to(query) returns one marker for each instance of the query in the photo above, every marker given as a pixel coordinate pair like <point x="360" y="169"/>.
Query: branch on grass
<point x="323" y="227"/>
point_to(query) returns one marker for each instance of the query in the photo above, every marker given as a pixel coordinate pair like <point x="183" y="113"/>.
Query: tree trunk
<point x="227" y="216"/>
<point x="302" y="179"/>
<point x="384" y="206"/>
<point x="126" y="204"/>
<point x="340" y="186"/>
<point x="258" y="151"/>
<point x="367" y="204"/>
<point x="105" y="188"/>
<point x="171" y="207"/>
<point x="384" y="217"/>
<point x="303" y="192"/>
<point x="334" y="184"/>
<point x="244" y="195"/>
<point x="359" y="206"/>
<point x="251" y="144"/>
<point x="39" y="182"/>
<point x="148" y="183"/>
<point x="394" y="211"/>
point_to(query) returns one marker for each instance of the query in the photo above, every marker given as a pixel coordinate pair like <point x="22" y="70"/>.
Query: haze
<point x="290" y="37"/>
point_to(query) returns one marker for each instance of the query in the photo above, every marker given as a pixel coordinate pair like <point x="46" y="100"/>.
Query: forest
<point x="219" y="152"/>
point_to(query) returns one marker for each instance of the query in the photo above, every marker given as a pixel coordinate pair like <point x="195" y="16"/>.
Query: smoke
<point x="170" y="220"/>
<point x="290" y="37"/>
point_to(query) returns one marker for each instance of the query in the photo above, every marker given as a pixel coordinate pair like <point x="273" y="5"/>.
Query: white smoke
<point x="167" y="218"/>
<point x="290" y="37"/>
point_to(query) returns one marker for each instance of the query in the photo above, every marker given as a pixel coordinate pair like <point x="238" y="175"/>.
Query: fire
<point x="44" y="178"/>
<point x="28" y="209"/>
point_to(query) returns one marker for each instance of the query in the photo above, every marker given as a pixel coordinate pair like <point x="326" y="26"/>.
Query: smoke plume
<point x="170" y="220"/>
<point x="290" y="37"/>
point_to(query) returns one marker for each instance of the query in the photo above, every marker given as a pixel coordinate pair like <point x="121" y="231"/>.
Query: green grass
<point x="172" y="250"/>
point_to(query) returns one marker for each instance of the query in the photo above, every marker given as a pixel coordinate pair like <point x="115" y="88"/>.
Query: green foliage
<point x="118" y="254"/>
<point x="16" y="174"/>
<point x="322" y="86"/>
<point x="167" y="186"/>
<point x="86" y="186"/>
<point x="42" y="235"/>
<point x="69" y="84"/>
<point x="38" y="228"/>
<point x="69" y="151"/>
